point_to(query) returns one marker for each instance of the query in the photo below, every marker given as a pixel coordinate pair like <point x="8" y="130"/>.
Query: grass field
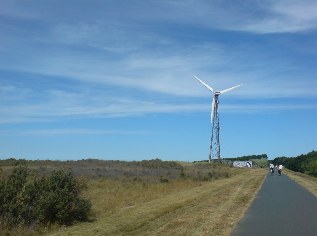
<point x="157" y="199"/>
<point x="181" y="208"/>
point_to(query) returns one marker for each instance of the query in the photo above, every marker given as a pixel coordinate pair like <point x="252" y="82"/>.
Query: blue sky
<point x="113" y="79"/>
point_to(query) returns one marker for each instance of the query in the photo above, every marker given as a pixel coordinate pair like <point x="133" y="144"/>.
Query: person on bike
<point x="280" y="168"/>
<point x="271" y="168"/>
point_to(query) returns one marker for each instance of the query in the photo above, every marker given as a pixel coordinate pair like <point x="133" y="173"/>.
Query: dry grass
<point x="132" y="199"/>
<point x="179" y="207"/>
<point x="308" y="182"/>
<point x="108" y="195"/>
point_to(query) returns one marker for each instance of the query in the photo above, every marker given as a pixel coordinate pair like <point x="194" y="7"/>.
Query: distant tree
<point x="304" y="163"/>
<point x="248" y="158"/>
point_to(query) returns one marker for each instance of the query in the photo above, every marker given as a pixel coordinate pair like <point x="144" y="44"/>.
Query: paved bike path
<point x="281" y="207"/>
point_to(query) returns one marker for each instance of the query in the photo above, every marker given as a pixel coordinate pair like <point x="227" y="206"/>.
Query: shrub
<point x="1" y="174"/>
<point x="10" y="193"/>
<point x="260" y="163"/>
<point x="163" y="179"/>
<point x="182" y="173"/>
<point x="53" y="199"/>
<point x="158" y="163"/>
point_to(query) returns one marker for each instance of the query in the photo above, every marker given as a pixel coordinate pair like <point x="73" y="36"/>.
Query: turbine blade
<point x="226" y="90"/>
<point x="206" y="85"/>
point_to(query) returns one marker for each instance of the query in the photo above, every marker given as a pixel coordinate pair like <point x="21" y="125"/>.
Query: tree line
<point x="305" y="163"/>
<point x="248" y="158"/>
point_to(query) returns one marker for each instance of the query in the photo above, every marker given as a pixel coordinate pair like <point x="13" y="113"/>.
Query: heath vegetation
<point x="94" y="197"/>
<point x="150" y="197"/>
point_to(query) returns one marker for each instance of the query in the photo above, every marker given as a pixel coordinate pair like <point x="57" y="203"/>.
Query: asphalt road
<point x="282" y="207"/>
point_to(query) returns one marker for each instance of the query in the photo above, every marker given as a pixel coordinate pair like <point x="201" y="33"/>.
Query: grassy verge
<point x="308" y="182"/>
<point x="180" y="207"/>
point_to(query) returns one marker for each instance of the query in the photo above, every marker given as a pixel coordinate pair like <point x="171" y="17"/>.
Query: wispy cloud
<point x="85" y="104"/>
<point x="84" y="132"/>
<point x="61" y="104"/>
<point x="122" y="61"/>
<point x="263" y="17"/>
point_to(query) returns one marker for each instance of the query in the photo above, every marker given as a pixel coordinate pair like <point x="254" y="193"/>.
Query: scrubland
<point x="155" y="197"/>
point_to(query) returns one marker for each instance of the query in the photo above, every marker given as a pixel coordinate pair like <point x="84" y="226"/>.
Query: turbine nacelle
<point x="217" y="93"/>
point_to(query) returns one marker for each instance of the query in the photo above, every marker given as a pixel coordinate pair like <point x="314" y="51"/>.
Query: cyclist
<point x="280" y="168"/>
<point x="271" y="168"/>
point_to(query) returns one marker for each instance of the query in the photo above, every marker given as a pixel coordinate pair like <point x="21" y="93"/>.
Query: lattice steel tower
<point x="215" y="124"/>
<point x="215" y="131"/>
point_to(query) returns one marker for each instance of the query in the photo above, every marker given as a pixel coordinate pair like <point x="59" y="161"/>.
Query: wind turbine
<point x="215" y="125"/>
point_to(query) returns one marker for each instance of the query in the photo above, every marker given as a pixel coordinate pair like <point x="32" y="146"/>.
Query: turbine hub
<point x="217" y="93"/>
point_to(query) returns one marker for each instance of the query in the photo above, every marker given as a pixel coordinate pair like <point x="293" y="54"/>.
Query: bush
<point x="10" y="191"/>
<point x="261" y="163"/>
<point x="53" y="199"/>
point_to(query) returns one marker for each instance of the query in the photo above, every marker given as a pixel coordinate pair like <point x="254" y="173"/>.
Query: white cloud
<point x="130" y="51"/>
<point x="298" y="11"/>
<point x="83" y="103"/>
<point x="63" y="132"/>
<point x="283" y="17"/>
